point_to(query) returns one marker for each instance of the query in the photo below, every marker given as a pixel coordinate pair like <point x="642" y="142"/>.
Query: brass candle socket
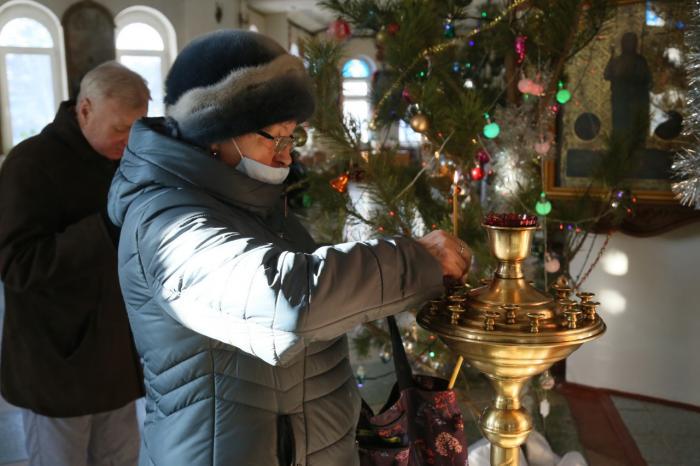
<point x="572" y="316"/>
<point x="511" y="312"/>
<point x="434" y="304"/>
<point x="590" y="310"/>
<point x="511" y="246"/>
<point x="511" y="331"/>
<point x="455" y="312"/>
<point x="535" y="321"/>
<point x="563" y="292"/>
<point x="490" y="320"/>
<point x="585" y="297"/>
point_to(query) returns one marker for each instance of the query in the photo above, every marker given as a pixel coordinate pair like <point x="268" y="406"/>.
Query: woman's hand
<point x="453" y="254"/>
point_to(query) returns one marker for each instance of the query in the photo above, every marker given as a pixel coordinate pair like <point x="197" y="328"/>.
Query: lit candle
<point x="455" y="204"/>
<point x="455" y="230"/>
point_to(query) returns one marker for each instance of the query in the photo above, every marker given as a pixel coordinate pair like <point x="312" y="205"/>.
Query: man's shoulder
<point x="28" y="154"/>
<point x="35" y="149"/>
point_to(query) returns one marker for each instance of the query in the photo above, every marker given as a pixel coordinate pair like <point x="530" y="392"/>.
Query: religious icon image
<point x="630" y="83"/>
<point x="628" y="102"/>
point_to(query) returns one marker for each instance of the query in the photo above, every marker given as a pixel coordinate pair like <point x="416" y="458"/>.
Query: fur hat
<point x="233" y="82"/>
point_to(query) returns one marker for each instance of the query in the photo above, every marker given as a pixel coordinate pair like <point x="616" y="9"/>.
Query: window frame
<point x="30" y="9"/>
<point x="371" y="66"/>
<point x="162" y="25"/>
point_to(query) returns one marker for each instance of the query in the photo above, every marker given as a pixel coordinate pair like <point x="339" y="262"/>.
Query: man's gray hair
<point x="114" y="81"/>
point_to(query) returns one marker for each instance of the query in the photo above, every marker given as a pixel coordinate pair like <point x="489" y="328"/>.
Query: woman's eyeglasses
<point x="281" y="142"/>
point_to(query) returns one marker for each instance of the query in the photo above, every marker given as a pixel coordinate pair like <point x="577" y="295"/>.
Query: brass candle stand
<point x="510" y="331"/>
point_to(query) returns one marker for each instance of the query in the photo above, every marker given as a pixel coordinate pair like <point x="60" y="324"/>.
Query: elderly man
<point x="67" y="351"/>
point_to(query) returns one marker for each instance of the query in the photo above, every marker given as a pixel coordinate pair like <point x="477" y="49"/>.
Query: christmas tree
<point x="484" y="89"/>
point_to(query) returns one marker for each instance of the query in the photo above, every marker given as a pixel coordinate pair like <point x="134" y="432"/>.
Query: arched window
<point x="356" y="91"/>
<point x="32" y="70"/>
<point x="146" y="43"/>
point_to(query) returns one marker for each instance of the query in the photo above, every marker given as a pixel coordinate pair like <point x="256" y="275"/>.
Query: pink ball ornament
<point x="551" y="264"/>
<point x="406" y="95"/>
<point x="536" y="88"/>
<point x="542" y="147"/>
<point x="524" y="85"/>
<point x="520" y="48"/>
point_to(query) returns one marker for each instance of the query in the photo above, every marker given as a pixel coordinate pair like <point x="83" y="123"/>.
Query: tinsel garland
<point x="686" y="165"/>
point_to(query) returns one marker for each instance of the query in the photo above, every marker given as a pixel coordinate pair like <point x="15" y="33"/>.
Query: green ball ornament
<point x="543" y="206"/>
<point x="563" y="96"/>
<point x="300" y="136"/>
<point x="492" y="130"/>
<point x="306" y="200"/>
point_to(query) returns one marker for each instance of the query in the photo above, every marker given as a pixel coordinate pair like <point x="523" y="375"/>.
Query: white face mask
<point x="260" y="171"/>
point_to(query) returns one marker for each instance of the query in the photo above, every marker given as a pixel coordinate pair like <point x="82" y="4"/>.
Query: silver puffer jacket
<point x="239" y="317"/>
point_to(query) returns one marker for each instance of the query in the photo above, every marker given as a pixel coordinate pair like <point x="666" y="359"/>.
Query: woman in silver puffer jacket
<point x="238" y="316"/>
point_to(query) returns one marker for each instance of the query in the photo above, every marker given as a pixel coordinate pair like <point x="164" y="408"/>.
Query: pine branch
<point x="363" y="14"/>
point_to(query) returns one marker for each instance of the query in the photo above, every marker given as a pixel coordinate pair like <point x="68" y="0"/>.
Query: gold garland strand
<point x="435" y="49"/>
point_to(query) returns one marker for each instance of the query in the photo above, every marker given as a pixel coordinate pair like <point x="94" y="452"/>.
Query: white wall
<point x="257" y="19"/>
<point x="190" y="18"/>
<point x="361" y="47"/>
<point x="199" y="17"/>
<point x="277" y="27"/>
<point x="172" y="10"/>
<point x="652" y="345"/>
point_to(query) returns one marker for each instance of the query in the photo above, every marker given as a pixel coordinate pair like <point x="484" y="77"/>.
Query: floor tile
<point x="655" y="449"/>
<point x="628" y="403"/>
<point x="638" y="422"/>
<point x="11" y="438"/>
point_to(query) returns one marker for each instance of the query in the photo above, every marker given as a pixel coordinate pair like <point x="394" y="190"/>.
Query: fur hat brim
<point x="246" y="100"/>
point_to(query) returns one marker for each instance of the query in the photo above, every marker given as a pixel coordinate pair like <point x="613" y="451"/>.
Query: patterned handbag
<point x="420" y="424"/>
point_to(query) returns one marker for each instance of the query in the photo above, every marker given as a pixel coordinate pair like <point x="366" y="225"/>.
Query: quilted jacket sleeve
<point x="224" y="283"/>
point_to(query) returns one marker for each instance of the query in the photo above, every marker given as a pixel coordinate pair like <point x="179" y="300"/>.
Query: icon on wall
<point x="89" y="38"/>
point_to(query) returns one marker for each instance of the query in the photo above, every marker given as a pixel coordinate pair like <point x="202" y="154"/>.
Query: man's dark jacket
<point x="67" y="348"/>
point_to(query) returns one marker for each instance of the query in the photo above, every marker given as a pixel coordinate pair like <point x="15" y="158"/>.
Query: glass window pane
<point x="652" y="17"/>
<point x="359" y="111"/>
<point x="25" y="32"/>
<point x="139" y="36"/>
<point x="30" y="92"/>
<point x="356" y="68"/>
<point x="355" y="88"/>
<point x="150" y="69"/>
<point x="294" y="50"/>
<point x="408" y="137"/>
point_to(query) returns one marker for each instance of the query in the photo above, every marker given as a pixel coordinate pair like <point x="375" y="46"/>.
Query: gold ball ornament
<point x="420" y="123"/>
<point x="300" y="136"/>
<point x="381" y="36"/>
<point x="372" y="125"/>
